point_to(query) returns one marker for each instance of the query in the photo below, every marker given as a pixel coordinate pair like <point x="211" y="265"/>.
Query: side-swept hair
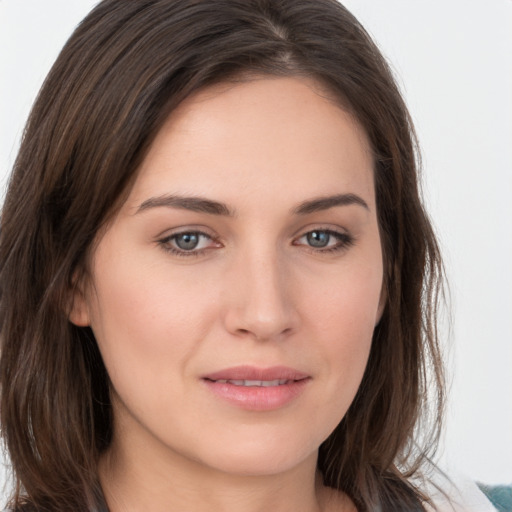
<point x="120" y="75"/>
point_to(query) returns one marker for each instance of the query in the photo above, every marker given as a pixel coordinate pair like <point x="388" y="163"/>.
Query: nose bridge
<point x="261" y="305"/>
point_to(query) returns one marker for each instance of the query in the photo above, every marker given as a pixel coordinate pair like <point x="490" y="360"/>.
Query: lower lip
<point x="258" y="398"/>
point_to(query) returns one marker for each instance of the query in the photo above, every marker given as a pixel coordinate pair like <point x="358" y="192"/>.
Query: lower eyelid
<point x="342" y="242"/>
<point x="168" y="243"/>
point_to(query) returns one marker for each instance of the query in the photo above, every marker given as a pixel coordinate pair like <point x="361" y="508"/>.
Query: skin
<point x="253" y="292"/>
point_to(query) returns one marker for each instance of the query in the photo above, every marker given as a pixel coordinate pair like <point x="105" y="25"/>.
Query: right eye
<point x="187" y="243"/>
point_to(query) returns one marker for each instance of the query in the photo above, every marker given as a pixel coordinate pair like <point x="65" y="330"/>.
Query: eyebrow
<point x="195" y="204"/>
<point x="211" y="207"/>
<point x="324" y="203"/>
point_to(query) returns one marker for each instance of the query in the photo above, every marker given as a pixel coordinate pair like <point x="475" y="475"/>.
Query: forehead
<point x="258" y="136"/>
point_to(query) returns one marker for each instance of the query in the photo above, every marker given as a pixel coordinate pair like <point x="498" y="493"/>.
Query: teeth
<point x="253" y="383"/>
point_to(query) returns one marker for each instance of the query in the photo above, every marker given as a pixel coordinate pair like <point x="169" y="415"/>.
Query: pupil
<point x="318" y="238"/>
<point x="187" y="241"/>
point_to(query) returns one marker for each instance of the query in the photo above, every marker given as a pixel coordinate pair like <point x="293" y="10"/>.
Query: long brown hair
<point x="120" y="75"/>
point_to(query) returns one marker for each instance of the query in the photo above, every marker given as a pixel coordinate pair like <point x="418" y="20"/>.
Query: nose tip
<point x="261" y="304"/>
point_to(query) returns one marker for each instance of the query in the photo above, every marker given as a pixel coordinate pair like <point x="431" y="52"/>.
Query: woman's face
<point x="234" y="296"/>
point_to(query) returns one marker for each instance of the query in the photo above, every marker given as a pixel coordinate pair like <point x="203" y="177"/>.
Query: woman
<point x="219" y="285"/>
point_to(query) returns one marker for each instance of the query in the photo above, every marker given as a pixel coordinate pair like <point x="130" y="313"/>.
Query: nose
<point x="260" y="302"/>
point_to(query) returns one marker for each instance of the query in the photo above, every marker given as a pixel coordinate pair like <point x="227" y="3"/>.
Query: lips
<point x="252" y="383"/>
<point x="257" y="389"/>
<point x="251" y="373"/>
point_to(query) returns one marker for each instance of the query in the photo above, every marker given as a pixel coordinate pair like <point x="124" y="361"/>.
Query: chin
<point x="259" y="457"/>
<point x="260" y="466"/>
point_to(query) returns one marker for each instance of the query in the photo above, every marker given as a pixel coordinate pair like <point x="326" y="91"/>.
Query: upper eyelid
<point x="340" y="236"/>
<point x="201" y="230"/>
<point x="338" y="230"/>
<point x="175" y="235"/>
<point x="329" y="231"/>
<point x="172" y="237"/>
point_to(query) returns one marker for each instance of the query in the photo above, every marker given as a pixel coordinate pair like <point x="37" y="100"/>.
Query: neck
<point x="140" y="481"/>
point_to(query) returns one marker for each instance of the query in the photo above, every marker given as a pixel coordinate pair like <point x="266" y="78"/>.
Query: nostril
<point x="260" y="335"/>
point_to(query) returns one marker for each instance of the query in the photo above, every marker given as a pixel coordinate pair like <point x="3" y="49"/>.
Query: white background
<point x="453" y="60"/>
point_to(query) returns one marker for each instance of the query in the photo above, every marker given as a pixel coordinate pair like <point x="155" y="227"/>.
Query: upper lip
<point x="254" y="373"/>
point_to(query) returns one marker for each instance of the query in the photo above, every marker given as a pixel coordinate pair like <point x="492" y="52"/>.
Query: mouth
<point x="257" y="389"/>
<point x="246" y="375"/>
<point x="255" y="383"/>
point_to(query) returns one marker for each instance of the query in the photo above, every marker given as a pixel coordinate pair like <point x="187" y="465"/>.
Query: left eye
<point x="187" y="241"/>
<point x="325" y="239"/>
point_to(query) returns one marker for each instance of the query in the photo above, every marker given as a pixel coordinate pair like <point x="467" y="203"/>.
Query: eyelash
<point x="344" y="241"/>
<point x="166" y="242"/>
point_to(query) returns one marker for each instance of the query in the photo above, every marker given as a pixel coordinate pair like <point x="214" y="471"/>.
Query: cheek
<point x="151" y="320"/>
<point x="347" y="300"/>
<point x="342" y="315"/>
<point x="147" y="333"/>
<point x="145" y="321"/>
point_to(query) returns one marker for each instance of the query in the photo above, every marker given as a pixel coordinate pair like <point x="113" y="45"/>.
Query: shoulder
<point x="499" y="495"/>
<point x="458" y="495"/>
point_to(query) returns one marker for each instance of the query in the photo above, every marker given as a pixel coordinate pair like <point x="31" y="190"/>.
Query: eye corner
<point x="323" y="240"/>
<point x="188" y="242"/>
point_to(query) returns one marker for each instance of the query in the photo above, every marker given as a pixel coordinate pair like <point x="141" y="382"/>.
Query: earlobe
<point x="78" y="310"/>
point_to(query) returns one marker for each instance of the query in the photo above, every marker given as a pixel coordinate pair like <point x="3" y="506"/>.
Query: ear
<point x="78" y="308"/>
<point x="382" y="304"/>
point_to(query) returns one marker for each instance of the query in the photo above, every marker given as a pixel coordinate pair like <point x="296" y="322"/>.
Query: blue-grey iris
<point x="187" y="241"/>
<point x="318" y="238"/>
